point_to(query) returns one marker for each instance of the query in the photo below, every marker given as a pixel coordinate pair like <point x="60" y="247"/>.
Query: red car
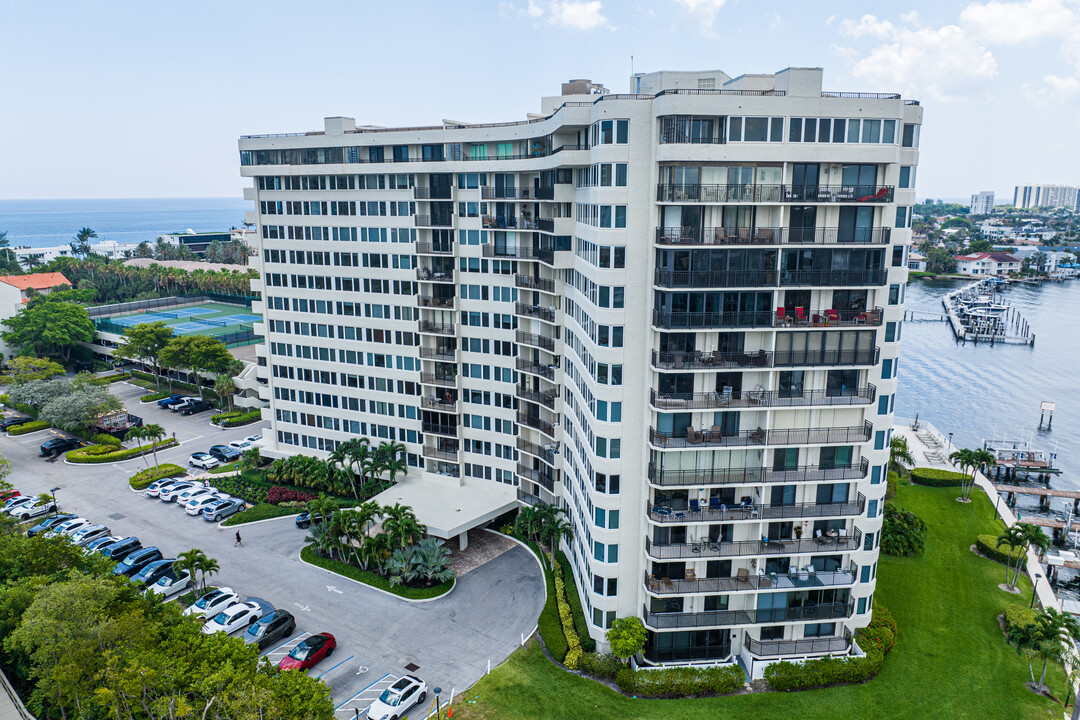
<point x="6" y="495"/>
<point x="309" y="652"/>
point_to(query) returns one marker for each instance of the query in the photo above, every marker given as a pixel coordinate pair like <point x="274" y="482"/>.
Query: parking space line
<point x="335" y="667"/>
<point x="362" y="692"/>
<point x="301" y="636"/>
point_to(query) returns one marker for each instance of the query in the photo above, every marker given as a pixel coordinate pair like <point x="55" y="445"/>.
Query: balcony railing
<point x="753" y="548"/>
<point x="840" y="278"/>
<point x="520" y="252"/>
<point x="544" y="371"/>
<point x="426" y="326"/>
<point x="488" y="192"/>
<point x="709" y="279"/>
<point x="536" y="423"/>
<point x="806" y="646"/>
<point x="801" y="580"/>
<point x="424" y="247"/>
<point x="534" y="283"/>
<point x="547" y="399"/>
<point x="721" y="652"/>
<point x="702" y="360"/>
<point x="436" y="302"/>
<point x="724" y="618"/>
<point x="429" y="275"/>
<point x="537" y="311"/>
<point x="544" y="192"/>
<point x="827" y="318"/>
<point x="545" y="225"/>
<point x="772" y="236"/>
<point x="664" y="515"/>
<point x="543" y="478"/>
<point x="437" y="454"/>
<point x="662" y="477"/>
<point x="433" y="379"/>
<point x="433" y="220"/>
<point x="809" y="358"/>
<point x="540" y="341"/>
<point x="437" y="353"/>
<point x="715" y="437"/>
<point x="528" y="498"/>
<point x="705" y="320"/>
<point x="439" y="403"/>
<point x="508" y="223"/>
<point x="775" y="193"/>
<point x="761" y="398"/>
<point x="431" y="193"/>
<point x="545" y="454"/>
<point x="439" y="428"/>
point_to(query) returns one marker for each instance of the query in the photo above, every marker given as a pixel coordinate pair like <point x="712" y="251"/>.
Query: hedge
<point x="176" y="384"/>
<point x="25" y="409"/>
<point x="932" y="477"/>
<point x="236" y="419"/>
<point x="278" y="495"/>
<point x="566" y="618"/>
<point x="105" y="454"/>
<point x="110" y="379"/>
<point x="258" y="511"/>
<point x="876" y="640"/>
<point x="28" y="427"/>
<point x="237" y="486"/>
<point x="549" y="625"/>
<point x="141" y="479"/>
<point x="681" y="681"/>
<point x="581" y="625"/>
<point x="373" y="579"/>
<point x="1019" y="615"/>
<point x="155" y="396"/>
<point x="902" y="532"/>
<point x="601" y="666"/>
<point x="987" y="545"/>
<point x="105" y="439"/>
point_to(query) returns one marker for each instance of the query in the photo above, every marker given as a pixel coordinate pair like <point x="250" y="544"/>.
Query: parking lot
<point x="447" y="642"/>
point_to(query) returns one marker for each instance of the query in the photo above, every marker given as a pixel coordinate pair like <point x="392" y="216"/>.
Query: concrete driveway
<point x="451" y="640"/>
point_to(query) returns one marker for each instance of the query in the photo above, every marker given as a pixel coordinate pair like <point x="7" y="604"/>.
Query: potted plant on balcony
<point x="798" y="532"/>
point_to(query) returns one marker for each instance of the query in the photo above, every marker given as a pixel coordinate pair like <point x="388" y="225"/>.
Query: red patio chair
<point x="781" y="318"/>
<point x="800" y="316"/>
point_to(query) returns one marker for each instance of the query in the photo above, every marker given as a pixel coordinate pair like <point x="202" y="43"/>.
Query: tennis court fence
<point x="168" y="302"/>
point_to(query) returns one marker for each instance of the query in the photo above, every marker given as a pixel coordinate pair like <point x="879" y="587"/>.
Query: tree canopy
<point x="49" y="329"/>
<point x="145" y="342"/>
<point x="25" y="368"/>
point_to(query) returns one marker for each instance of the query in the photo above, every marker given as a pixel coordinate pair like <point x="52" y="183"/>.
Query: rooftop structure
<point x="1053" y="196"/>
<point x="982" y="203"/>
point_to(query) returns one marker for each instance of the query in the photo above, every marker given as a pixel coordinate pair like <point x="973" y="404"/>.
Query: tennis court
<point x="207" y="318"/>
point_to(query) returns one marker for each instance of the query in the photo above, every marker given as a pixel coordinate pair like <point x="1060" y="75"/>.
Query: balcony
<point x="508" y="223"/>
<point x="540" y="312"/>
<point x="424" y="247"/>
<point x="521" y="253"/>
<point x="546" y="479"/>
<point x="545" y="225"/>
<point x="433" y="379"/>
<point x="430" y="301"/>
<point x="438" y="353"/>
<point x="761" y="398"/>
<point x="708" y="279"/>
<point x="811" y="358"/>
<point x="661" y="477"/>
<point x="772" y="236"/>
<point x="704" y="360"/>
<point x="440" y="429"/>
<point x="775" y="193"/>
<point x="829" y="317"/>
<point x="833" y="278"/>
<point x="505" y="193"/>
<point x="431" y="193"/>
<point x="433" y="220"/>
<point x="754" y="548"/>
<point x="536" y="423"/>
<point x="541" y="341"/>
<point x="806" y="646"/>
<point x="534" y="283"/>
<point x="708" y="320"/>
<point x="801" y="580"/>
<point x="718" y="513"/>
<point x="434" y="453"/>
<point x="547" y="399"/>
<point x="545" y="453"/>
<point x="426" y="326"/>
<point x="724" y="618"/>
<point x="544" y="371"/>
<point x="429" y="275"/>
<point x="715" y="437"/>
<point x="438" y="403"/>
<point x="545" y="192"/>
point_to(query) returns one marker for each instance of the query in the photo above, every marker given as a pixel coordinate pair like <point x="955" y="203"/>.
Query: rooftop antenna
<point x="632" y="88"/>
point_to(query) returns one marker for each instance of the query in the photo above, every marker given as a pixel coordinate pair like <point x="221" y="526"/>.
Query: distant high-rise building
<point x="982" y="203"/>
<point x="1030" y="196"/>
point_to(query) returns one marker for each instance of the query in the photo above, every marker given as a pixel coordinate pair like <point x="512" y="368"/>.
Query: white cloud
<point x="1011" y="23"/>
<point x="867" y="25"/>
<point x="574" y="14"/>
<point x="704" y="13"/>
<point x="1062" y="85"/>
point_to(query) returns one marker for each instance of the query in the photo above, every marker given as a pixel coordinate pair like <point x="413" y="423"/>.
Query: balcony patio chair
<point x="819" y="537"/>
<point x="714" y="503"/>
<point x="758" y="436"/>
<point x="757" y="395"/>
<point x="742" y="576"/>
<point x="841" y="535"/>
<point x="695" y="506"/>
<point x="800" y="315"/>
<point x="690" y="576"/>
<point x="781" y="316"/>
<point x="832" y="316"/>
<point x="654" y="584"/>
<point x="667" y="583"/>
<point x="716" y="433"/>
<point x="694" y="437"/>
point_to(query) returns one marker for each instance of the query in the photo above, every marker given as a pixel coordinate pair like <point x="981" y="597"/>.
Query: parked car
<point x="34" y="509"/>
<point x="172" y="492"/>
<point x="6" y="495"/>
<point x="154" y="489"/>
<point x="59" y="445"/>
<point x="213" y="602"/>
<point x="196" y="505"/>
<point x="20" y="501"/>
<point x="240" y="445"/>
<point x="193" y="492"/>
<point x="153" y="571"/>
<point x="85" y="534"/>
<point x="62" y="529"/>
<point x="218" y="511"/>
<point x="136" y="561"/>
<point x="196" y="407"/>
<point x="399" y="697"/>
<point x="82" y="366"/>
<point x="309" y="652"/>
<point x="13" y="421"/>
<point x="271" y="627"/>
<point x="121" y="548"/>
<point x="304" y="520"/>
<point x="254" y="439"/>
<point x="177" y="407"/>
<point x="203" y="460"/>
<point x="93" y="545"/>
<point x="170" y="583"/>
<point x="224" y="453"/>
<point x="48" y="523"/>
<point x="233" y="618"/>
<point x="167" y="401"/>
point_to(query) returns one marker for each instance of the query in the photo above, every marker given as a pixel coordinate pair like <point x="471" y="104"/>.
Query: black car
<point x="136" y="561"/>
<point x="153" y="571"/>
<point x="120" y="549"/>
<point x="224" y="453"/>
<point x="83" y="366"/>
<point x="170" y="401"/>
<point x="59" y="445"/>
<point x="13" y="421"/>
<point x="304" y="520"/>
<point x="197" y="406"/>
<point x="271" y="627"/>
<point x="47" y="524"/>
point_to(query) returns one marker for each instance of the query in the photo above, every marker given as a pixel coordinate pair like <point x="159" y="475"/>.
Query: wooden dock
<point x="1038" y="490"/>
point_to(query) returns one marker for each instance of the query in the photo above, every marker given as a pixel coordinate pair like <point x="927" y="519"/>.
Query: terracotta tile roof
<point x="38" y="281"/>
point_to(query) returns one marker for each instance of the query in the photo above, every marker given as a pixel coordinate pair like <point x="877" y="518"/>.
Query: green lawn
<point x="950" y="659"/>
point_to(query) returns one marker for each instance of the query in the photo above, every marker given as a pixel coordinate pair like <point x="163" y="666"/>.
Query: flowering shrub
<point x="277" y="495"/>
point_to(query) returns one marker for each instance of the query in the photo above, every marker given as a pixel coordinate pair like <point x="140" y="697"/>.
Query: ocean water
<point x="46" y="223"/>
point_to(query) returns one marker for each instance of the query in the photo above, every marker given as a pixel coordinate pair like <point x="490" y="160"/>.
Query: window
<point x="862" y="606"/>
<point x="903" y="216"/>
<point x="890" y="332"/>
<point x="894" y="294"/>
<point x="911" y="136"/>
<point x="907" y="176"/>
<point x="622" y="131"/>
<point x="886" y="369"/>
<point x="879" y="440"/>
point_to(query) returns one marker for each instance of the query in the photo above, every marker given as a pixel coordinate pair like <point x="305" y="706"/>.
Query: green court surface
<point x="207" y="318"/>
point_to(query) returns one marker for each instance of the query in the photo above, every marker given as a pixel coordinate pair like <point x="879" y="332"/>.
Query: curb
<point x="379" y="590"/>
<point x="32" y="432"/>
<point x="118" y="462"/>
<point x="543" y="573"/>
<point x="256" y="522"/>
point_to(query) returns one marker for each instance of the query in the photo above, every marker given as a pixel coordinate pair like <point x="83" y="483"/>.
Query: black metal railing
<point x="722" y="618"/>
<point x="437" y="454"/>
<point x="828" y="317"/>
<point x="710" y="279"/>
<point x="800" y="580"/>
<point x="547" y="399"/>
<point x="825" y="278"/>
<point x="433" y="220"/>
<point x="545" y="454"/>
<point x="536" y="423"/>
<point x="690" y="320"/>
<point x="761" y="398"/>
<point x="545" y="371"/>
<point x="772" y="236"/>
<point x="534" y="283"/>
<point x="719" y="653"/>
<point x="663" y="477"/>
<point x="431" y="193"/>
<point x="425" y="247"/>
<point x="809" y="358"/>
<point x="749" y="192"/>
<point x="487" y="192"/>
<point x="753" y="548"/>
<point x="431" y="275"/>
<point x="426" y="326"/>
<point x="690" y="437"/>
<point x="706" y="360"/>
<point x="439" y="428"/>
<point x="437" y="353"/>
<point x="665" y="515"/>
<point x="540" y="341"/>
<point x="806" y="646"/>
<point x="545" y="225"/>
<point x="438" y="403"/>
<point x="431" y="301"/>
<point x="433" y="379"/>
<point x="536" y="311"/>
<point x="545" y="479"/>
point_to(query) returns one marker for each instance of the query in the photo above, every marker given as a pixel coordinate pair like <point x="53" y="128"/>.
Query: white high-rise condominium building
<point x="1052" y="196"/>
<point x="982" y="203"/>
<point x="674" y="313"/>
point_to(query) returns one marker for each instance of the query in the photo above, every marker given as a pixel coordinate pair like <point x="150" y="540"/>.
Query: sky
<point x="147" y="99"/>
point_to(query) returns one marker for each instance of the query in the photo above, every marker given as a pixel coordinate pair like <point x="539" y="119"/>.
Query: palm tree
<point x="138" y="434"/>
<point x="318" y="539"/>
<point x="431" y="561"/>
<point x="1048" y="638"/>
<point x="1021" y="536"/>
<point x="554" y="532"/>
<point x="320" y="507"/>
<point x="396" y="466"/>
<point x="401" y="526"/>
<point x="899" y="453"/>
<point x="399" y="567"/>
<point x="207" y="566"/>
<point x="984" y="460"/>
<point x="525" y="523"/>
<point x="80" y="247"/>
<point x="376" y="549"/>
<point x="225" y="387"/>
<point x="965" y="459"/>
<point x="153" y="433"/>
<point x="190" y="561"/>
<point x="250" y="459"/>
<point x="1014" y="538"/>
<point x="30" y="262"/>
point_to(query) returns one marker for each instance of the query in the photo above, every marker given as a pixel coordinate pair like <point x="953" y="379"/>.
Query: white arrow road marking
<point x="333" y="588"/>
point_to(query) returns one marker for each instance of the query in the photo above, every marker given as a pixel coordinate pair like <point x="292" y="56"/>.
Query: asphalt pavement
<point x="451" y="641"/>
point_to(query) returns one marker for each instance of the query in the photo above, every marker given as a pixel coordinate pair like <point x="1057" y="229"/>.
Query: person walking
<point x="238" y="540"/>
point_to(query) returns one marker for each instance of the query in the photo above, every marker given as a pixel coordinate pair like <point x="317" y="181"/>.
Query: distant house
<point x="986" y="264"/>
<point x="916" y="262"/>
<point x="42" y="283"/>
